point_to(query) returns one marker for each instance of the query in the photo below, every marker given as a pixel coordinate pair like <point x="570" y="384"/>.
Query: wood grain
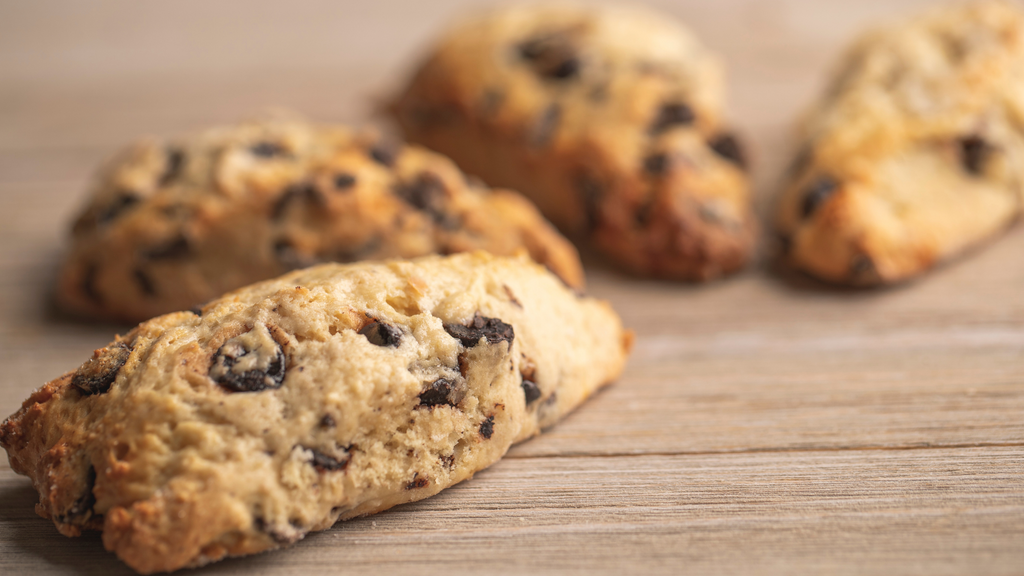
<point x="936" y="511"/>
<point x="766" y="424"/>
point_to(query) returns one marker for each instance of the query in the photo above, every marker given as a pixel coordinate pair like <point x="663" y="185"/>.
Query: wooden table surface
<point x="765" y="425"/>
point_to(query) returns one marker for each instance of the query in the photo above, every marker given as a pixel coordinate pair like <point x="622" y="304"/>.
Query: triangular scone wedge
<point x="608" y="118"/>
<point x="917" y="151"/>
<point x="328" y="393"/>
<point x="172" y="225"/>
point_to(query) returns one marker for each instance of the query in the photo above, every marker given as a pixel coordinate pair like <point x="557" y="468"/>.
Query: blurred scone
<point x="170" y="226"/>
<point x="917" y="150"/>
<point x="608" y="118"/>
<point x="331" y="392"/>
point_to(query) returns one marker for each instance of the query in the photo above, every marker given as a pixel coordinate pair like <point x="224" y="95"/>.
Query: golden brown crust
<point x="607" y="118"/>
<point x="172" y="226"/>
<point x="917" y="151"/>
<point x="329" y="393"/>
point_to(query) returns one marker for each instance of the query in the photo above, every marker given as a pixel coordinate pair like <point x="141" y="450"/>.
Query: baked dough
<point x="172" y="225"/>
<point x="608" y="118"/>
<point x="916" y="153"/>
<point x="329" y="393"/>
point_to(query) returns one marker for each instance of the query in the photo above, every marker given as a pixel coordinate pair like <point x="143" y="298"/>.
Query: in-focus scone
<point x="173" y="225"/>
<point x="331" y="392"/>
<point x="917" y="151"/>
<point x="609" y="119"/>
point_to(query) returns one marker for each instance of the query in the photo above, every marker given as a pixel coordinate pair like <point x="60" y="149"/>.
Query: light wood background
<point x="766" y="424"/>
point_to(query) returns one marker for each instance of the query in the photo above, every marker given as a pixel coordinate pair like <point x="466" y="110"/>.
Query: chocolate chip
<point x="361" y="252"/>
<point x="441" y="392"/>
<point x="642" y="216"/>
<point x="175" y="248"/>
<point x="289" y="256"/>
<point x="121" y="203"/>
<point x="552" y="57"/>
<point x="974" y="152"/>
<point x="97" y="375"/>
<point x="531" y="391"/>
<point x="448" y="461"/>
<point x="481" y="327"/>
<point x="144" y="282"/>
<point x="257" y="379"/>
<point x="566" y="69"/>
<point x="267" y="150"/>
<point x="728" y="147"/>
<point x="428" y="194"/>
<point x="327" y="421"/>
<point x="528" y="374"/>
<point x="532" y="49"/>
<point x="324" y="463"/>
<point x="175" y="162"/>
<point x="670" y="115"/>
<point x="862" y="268"/>
<point x="380" y="334"/>
<point x="817" y="193"/>
<point x="261" y="526"/>
<point x="82" y="509"/>
<point x="301" y="192"/>
<point x="344" y="181"/>
<point x="802" y="160"/>
<point x="281" y="247"/>
<point x="545" y="126"/>
<point x="417" y="482"/>
<point x="384" y="153"/>
<point x="784" y="244"/>
<point x="490" y="102"/>
<point x="487" y="427"/>
<point x="89" y="283"/>
<point x="591" y="193"/>
<point x="656" y="164"/>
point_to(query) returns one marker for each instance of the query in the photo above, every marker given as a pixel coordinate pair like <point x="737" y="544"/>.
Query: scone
<point x="331" y="392"/>
<point x="916" y="152"/>
<point x="609" y="119"/>
<point x="170" y="226"/>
